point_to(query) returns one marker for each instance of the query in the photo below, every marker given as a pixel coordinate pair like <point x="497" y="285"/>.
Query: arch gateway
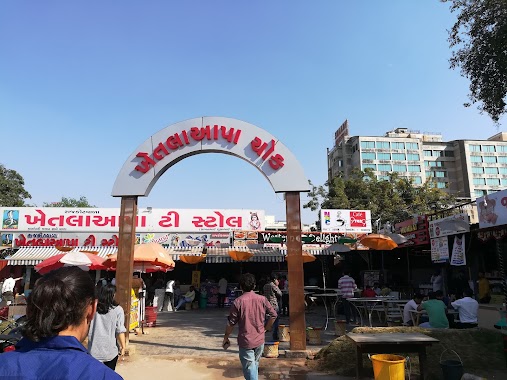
<point x="223" y="135"/>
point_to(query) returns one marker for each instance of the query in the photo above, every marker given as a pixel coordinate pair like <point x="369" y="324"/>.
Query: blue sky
<point x="83" y="83"/>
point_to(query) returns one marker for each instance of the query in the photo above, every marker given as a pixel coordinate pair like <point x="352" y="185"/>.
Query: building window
<point x="501" y="148"/>
<point x="383" y="144"/>
<point x="368" y="155"/>
<point x="441" y="185"/>
<point x="399" y="156"/>
<point x="448" y="153"/>
<point x="429" y="174"/>
<point x="493" y="181"/>
<point x="427" y="153"/>
<point x="475" y="148"/>
<point x="488" y="148"/>
<point x="503" y="170"/>
<point x="383" y="178"/>
<point x="384" y="167"/>
<point x="478" y="170"/>
<point x="398" y="145"/>
<point x="427" y="163"/>
<point x="414" y="168"/>
<point x="480" y="193"/>
<point x="504" y="181"/>
<point x="489" y="159"/>
<point x="367" y="144"/>
<point x="399" y="168"/>
<point x="413" y="157"/>
<point x="502" y="159"/>
<point x="370" y="166"/>
<point x="412" y="146"/>
<point x="479" y="181"/>
<point x="476" y="158"/>
<point x="440" y="174"/>
<point x="491" y="170"/>
<point x="417" y="180"/>
<point x="384" y="156"/>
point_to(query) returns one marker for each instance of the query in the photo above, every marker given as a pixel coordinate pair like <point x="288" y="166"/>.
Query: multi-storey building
<point x="465" y="168"/>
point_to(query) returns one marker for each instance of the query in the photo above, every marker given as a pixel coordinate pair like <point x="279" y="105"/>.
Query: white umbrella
<point x="398" y="238"/>
<point x="338" y="248"/>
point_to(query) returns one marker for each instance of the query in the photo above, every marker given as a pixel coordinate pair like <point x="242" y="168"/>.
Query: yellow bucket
<point x="388" y="367"/>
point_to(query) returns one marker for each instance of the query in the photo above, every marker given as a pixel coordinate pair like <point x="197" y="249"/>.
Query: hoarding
<point x="345" y="221"/>
<point x="452" y="225"/>
<point x="492" y="209"/>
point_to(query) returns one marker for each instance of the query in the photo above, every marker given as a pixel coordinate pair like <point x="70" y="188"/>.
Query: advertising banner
<point x="345" y="221"/>
<point x="440" y="249"/>
<point x="58" y="219"/>
<point x="492" y="209"/>
<point x="458" y="256"/>
<point x="452" y="225"/>
<point x="415" y="230"/>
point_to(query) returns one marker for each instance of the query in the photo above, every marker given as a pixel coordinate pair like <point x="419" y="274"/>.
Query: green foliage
<point x="12" y="190"/>
<point x="70" y="202"/>
<point x="394" y="200"/>
<point x="480" y="39"/>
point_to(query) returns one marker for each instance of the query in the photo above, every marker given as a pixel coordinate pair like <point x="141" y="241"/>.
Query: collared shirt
<point x="467" y="308"/>
<point x="272" y="292"/>
<point x="55" y="358"/>
<point x="347" y="285"/>
<point x="249" y="311"/>
<point x="436" y="313"/>
<point x="8" y="285"/>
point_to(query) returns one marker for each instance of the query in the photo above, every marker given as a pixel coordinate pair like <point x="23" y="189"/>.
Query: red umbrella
<point x="85" y="259"/>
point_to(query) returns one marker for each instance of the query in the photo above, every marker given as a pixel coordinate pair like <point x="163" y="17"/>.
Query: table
<point x="389" y="344"/>
<point x="415" y="315"/>
<point x="324" y="297"/>
<point x="368" y="304"/>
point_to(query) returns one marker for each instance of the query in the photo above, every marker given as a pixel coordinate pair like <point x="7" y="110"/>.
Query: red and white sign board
<point x="56" y="219"/>
<point x="345" y="221"/>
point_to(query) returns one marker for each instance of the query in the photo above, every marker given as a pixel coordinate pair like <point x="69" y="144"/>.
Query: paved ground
<point x="188" y="344"/>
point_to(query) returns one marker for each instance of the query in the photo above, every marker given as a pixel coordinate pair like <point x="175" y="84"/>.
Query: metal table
<point x="325" y="297"/>
<point x="368" y="304"/>
<point x="391" y="343"/>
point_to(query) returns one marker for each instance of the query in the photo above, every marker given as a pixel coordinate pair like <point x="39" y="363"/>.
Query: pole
<point x="295" y="273"/>
<point x="125" y="264"/>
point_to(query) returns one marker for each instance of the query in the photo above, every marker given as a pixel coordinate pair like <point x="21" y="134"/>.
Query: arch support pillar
<point x="297" y="321"/>
<point x="125" y="265"/>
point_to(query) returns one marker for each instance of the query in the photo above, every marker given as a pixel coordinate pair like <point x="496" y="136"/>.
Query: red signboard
<point x="415" y="230"/>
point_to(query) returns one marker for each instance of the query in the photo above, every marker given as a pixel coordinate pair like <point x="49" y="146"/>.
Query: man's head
<point x="418" y="298"/>
<point x="274" y="278"/>
<point x="368" y="287"/>
<point x="192" y="289"/>
<point x="439" y="294"/>
<point x="437" y="272"/>
<point x="247" y="282"/>
<point x="481" y="274"/>
<point x="376" y="285"/>
<point x="432" y="295"/>
<point x="468" y="292"/>
<point x="346" y="272"/>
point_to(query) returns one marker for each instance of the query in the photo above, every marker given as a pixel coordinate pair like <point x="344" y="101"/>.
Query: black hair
<point x="58" y="300"/>
<point x="468" y="292"/>
<point x="247" y="282"/>
<point x="432" y="295"/>
<point x="105" y="296"/>
<point x="418" y="296"/>
<point x="439" y="293"/>
<point x="273" y="276"/>
<point x="346" y="272"/>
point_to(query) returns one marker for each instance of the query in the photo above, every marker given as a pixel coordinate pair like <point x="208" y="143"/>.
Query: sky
<point x="83" y="83"/>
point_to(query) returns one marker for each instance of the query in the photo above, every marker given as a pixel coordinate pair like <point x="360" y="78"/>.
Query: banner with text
<point x="440" y="249"/>
<point x="492" y="209"/>
<point x="451" y="225"/>
<point x="345" y="221"/>
<point x="458" y="256"/>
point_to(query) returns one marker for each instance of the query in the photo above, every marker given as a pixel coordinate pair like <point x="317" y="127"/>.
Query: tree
<point x="70" y="202"/>
<point x="395" y="200"/>
<point x="12" y="188"/>
<point x="480" y="37"/>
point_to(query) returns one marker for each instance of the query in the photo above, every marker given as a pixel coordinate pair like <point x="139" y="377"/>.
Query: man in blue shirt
<point x="59" y="312"/>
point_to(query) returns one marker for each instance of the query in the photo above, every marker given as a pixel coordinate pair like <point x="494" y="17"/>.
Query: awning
<point x="35" y="255"/>
<point x="313" y="251"/>
<point x="221" y="255"/>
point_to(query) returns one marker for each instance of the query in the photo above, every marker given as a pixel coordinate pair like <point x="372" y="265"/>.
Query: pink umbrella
<point x="86" y="260"/>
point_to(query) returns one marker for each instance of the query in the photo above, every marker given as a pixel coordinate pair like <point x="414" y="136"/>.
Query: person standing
<point x="273" y="293"/>
<point x="107" y="328"/>
<point x="254" y="315"/>
<point x="436" y="281"/>
<point x="169" y="296"/>
<point x="346" y="287"/>
<point x="222" y="292"/>
<point x="59" y="312"/>
<point x="484" y="289"/>
<point x="8" y="288"/>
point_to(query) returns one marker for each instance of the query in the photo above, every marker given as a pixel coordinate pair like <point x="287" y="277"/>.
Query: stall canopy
<point x="221" y="255"/>
<point x="35" y="255"/>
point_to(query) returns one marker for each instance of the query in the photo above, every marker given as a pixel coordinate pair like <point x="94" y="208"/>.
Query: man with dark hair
<point x="274" y="295"/>
<point x="467" y="308"/>
<point x="249" y="311"/>
<point x="436" y="313"/>
<point x="409" y="307"/>
<point x="8" y="288"/>
<point x="346" y="287"/>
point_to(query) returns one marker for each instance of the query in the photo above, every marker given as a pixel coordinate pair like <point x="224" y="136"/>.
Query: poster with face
<point x="10" y="220"/>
